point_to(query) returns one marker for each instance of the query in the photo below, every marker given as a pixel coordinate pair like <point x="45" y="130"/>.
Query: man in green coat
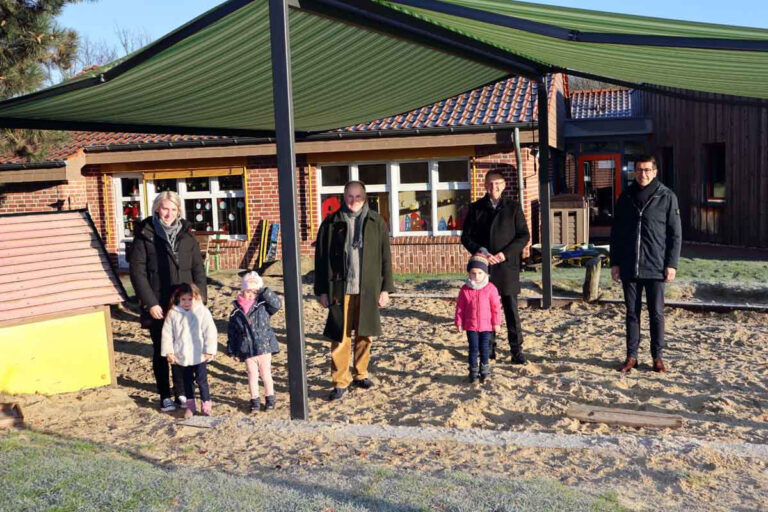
<point x="353" y="279"/>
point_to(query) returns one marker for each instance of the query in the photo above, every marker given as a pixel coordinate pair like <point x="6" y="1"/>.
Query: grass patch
<point x="40" y="472"/>
<point x="738" y="281"/>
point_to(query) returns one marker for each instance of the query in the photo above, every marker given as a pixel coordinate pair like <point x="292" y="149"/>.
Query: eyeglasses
<point x="645" y="170"/>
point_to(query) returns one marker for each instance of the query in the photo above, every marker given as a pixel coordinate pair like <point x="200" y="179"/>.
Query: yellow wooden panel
<point x="193" y="173"/>
<point x="392" y="154"/>
<point x="56" y="355"/>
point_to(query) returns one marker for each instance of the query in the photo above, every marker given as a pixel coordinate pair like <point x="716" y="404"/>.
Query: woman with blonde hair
<point x="164" y="255"/>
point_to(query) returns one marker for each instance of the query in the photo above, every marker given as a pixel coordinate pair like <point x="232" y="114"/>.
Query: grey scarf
<point x="168" y="233"/>
<point x="477" y="286"/>
<point x="354" y="246"/>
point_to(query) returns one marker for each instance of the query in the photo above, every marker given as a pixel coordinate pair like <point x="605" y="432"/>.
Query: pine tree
<point x="31" y="44"/>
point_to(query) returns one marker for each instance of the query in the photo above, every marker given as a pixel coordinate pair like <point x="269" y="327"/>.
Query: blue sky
<point x="98" y="20"/>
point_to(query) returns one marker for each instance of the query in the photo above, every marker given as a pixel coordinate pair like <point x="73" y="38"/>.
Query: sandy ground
<point x="718" y="382"/>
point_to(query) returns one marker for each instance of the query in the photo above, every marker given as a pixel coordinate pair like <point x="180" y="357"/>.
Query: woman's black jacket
<point x="154" y="269"/>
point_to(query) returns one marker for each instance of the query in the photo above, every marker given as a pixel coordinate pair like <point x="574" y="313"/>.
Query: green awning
<point x="661" y="58"/>
<point x="214" y="74"/>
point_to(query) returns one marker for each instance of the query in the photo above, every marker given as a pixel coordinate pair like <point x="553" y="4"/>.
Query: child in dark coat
<point x="250" y="338"/>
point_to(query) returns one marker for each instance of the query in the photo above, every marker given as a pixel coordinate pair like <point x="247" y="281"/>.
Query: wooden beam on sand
<point x="625" y="417"/>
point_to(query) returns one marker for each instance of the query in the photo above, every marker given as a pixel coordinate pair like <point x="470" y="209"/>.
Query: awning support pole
<point x="544" y="215"/>
<point x="282" y="93"/>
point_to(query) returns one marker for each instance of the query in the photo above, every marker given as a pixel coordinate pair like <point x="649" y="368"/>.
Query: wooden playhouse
<point x="56" y="285"/>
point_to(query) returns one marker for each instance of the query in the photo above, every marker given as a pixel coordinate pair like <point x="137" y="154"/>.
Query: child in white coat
<point x="190" y="341"/>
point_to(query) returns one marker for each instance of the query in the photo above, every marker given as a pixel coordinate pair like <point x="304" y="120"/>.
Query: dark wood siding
<point x="687" y="126"/>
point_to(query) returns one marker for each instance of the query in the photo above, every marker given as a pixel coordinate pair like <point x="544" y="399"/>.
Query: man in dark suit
<point x="496" y="227"/>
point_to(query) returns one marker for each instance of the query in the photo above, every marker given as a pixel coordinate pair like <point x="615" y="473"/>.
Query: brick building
<point x="422" y="168"/>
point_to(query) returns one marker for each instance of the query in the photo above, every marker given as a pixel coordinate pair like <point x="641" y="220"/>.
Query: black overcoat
<point x="375" y="272"/>
<point x="155" y="271"/>
<point x="506" y="233"/>
<point x="646" y="240"/>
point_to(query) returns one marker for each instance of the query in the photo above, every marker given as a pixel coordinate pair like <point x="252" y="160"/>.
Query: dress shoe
<point x="518" y="358"/>
<point x="658" y="365"/>
<point x="630" y="363"/>
<point x="363" y="383"/>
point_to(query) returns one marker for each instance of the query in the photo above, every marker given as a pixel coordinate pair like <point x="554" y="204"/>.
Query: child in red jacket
<point x="478" y="311"/>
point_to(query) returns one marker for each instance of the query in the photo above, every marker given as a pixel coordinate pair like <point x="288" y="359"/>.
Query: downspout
<point x="519" y="160"/>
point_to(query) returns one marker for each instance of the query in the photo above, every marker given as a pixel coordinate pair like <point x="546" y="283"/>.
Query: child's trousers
<point x="197" y="373"/>
<point x="260" y="365"/>
<point x="479" y="342"/>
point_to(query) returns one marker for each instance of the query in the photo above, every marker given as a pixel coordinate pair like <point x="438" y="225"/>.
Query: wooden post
<point x="591" y="289"/>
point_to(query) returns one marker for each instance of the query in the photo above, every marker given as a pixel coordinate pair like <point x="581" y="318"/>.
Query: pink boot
<point x="207" y="406"/>
<point x="191" y="408"/>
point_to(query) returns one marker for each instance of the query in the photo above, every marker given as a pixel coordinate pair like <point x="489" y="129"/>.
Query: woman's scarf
<point x="169" y="233"/>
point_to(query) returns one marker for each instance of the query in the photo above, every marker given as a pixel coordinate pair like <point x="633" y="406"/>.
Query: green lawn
<point x="40" y="472"/>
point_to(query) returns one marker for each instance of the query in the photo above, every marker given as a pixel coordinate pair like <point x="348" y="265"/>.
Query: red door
<point x="599" y="179"/>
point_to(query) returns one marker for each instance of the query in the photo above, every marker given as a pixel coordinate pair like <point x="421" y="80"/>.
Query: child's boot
<point x="255" y="406"/>
<point x="473" y="371"/>
<point x="485" y="370"/>
<point x="269" y="402"/>
<point x="207" y="408"/>
<point x="191" y="408"/>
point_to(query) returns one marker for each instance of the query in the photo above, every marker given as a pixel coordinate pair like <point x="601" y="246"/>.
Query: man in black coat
<point x="496" y="227"/>
<point x="645" y="248"/>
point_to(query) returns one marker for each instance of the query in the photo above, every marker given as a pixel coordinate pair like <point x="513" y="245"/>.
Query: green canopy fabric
<point x="739" y="73"/>
<point x="221" y="77"/>
<point x="214" y="74"/>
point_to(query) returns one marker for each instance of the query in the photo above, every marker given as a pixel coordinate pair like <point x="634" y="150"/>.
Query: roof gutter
<point x="52" y="164"/>
<point x="324" y="136"/>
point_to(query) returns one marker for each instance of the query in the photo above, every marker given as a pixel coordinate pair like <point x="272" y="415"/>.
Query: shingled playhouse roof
<point x="509" y="101"/>
<point x="52" y="263"/>
<point x="602" y="104"/>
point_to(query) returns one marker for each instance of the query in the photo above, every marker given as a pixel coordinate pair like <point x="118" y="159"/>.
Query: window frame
<point x="393" y="186"/>
<point x="214" y="193"/>
<point x="709" y="171"/>
<point x="144" y="206"/>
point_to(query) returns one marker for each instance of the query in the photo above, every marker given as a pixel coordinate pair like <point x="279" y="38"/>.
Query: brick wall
<point x="428" y="255"/>
<point x="43" y="196"/>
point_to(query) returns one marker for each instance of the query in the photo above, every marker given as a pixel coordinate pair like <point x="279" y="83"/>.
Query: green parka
<point x="375" y="272"/>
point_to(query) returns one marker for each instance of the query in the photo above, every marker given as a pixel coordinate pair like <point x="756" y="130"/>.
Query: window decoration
<point x="215" y="203"/>
<point x="130" y="205"/>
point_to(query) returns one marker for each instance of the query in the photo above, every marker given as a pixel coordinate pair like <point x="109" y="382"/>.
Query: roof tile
<point x="602" y="104"/>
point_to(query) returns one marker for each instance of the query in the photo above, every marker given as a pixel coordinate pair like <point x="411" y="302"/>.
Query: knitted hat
<point x="252" y="281"/>
<point x="478" y="261"/>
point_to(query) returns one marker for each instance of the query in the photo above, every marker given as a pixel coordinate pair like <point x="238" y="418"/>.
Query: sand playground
<point x="423" y="415"/>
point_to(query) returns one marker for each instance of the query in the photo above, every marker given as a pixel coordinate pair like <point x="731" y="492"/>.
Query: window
<point x="332" y="178"/>
<point x="208" y="203"/>
<point x="632" y="147"/>
<point x="714" y="178"/>
<point x="426" y="197"/>
<point x="129" y="211"/>
<point x="600" y="147"/>
<point x="130" y="205"/>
